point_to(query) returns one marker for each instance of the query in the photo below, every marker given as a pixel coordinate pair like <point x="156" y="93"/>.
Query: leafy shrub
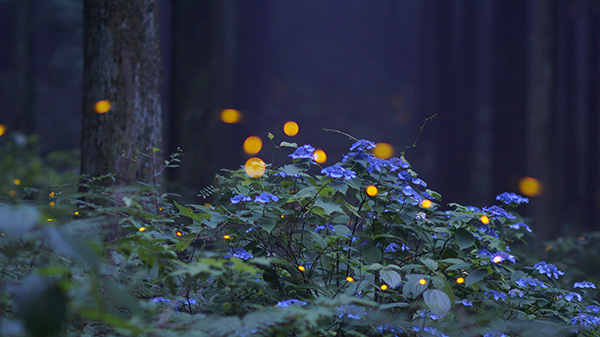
<point x="359" y="248"/>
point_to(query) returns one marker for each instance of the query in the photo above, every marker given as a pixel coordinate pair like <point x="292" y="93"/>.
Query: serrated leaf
<point x="328" y="206"/>
<point x="390" y="277"/>
<point x="476" y="276"/>
<point x="464" y="238"/>
<point x="437" y="301"/>
<point x="372" y="255"/>
<point x="432" y="265"/>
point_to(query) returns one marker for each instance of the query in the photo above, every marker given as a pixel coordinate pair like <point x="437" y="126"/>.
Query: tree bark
<point x="122" y="64"/>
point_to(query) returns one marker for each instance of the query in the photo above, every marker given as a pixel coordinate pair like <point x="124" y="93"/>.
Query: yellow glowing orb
<point x="13" y="193"/>
<point x="484" y="219"/>
<point x="422" y="282"/>
<point x="372" y="190"/>
<point x="301" y="268"/>
<point x="141" y="229"/>
<point x="52" y="204"/>
<point x="178" y="233"/>
<point x="255" y="167"/>
<point x="384" y="286"/>
<point x="426" y="203"/>
<point x="253" y="145"/>
<point x="51" y="194"/>
<point x="2" y="129"/>
<point x="290" y="128"/>
<point x="460" y="280"/>
<point x="349" y="279"/>
<point x="17" y="182"/>
<point x="231" y="116"/>
<point x="76" y="213"/>
<point x="102" y="106"/>
<point x="320" y="156"/>
<point x="530" y="187"/>
<point x="497" y="259"/>
<point x="383" y="150"/>
<point x="226" y="237"/>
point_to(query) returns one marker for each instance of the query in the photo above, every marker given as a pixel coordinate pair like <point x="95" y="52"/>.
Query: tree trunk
<point x="122" y="64"/>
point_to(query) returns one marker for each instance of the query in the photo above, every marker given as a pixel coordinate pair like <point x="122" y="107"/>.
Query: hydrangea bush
<point x="358" y="248"/>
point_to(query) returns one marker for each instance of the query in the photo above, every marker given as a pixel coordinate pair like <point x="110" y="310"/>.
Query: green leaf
<point x="464" y="238"/>
<point x="318" y="240"/>
<point x="393" y="305"/>
<point x="432" y="265"/>
<point x="341" y="219"/>
<point x="154" y="150"/>
<point x="437" y="301"/>
<point x="413" y="288"/>
<point x="307" y="192"/>
<point x="214" y="220"/>
<point x="390" y="277"/>
<point x="476" y="276"/>
<point x="270" y="135"/>
<point x="267" y="224"/>
<point x="341" y="229"/>
<point x="286" y="144"/>
<point x="328" y="206"/>
<point x="372" y="255"/>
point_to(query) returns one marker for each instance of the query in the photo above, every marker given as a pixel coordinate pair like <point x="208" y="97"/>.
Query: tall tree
<point x="122" y="65"/>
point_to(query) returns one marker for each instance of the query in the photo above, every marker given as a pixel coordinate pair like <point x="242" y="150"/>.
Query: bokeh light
<point x="17" y="182"/>
<point x="231" y="116"/>
<point x="422" y="282"/>
<point x="484" y="219"/>
<point x="460" y="280"/>
<point x="530" y="187"/>
<point x="383" y="151"/>
<point x="253" y="145"/>
<point x="290" y="128"/>
<point x="349" y="279"/>
<point x="226" y="237"/>
<point x="255" y="167"/>
<point x="320" y="156"/>
<point x="301" y="268"/>
<point x="426" y="203"/>
<point x="384" y="286"/>
<point x="2" y="129"/>
<point x="102" y="106"/>
<point x="141" y="229"/>
<point x="372" y="190"/>
<point x="178" y="233"/>
<point x="497" y="259"/>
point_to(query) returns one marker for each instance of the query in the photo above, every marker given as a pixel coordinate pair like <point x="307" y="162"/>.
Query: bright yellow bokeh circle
<point x="372" y="190"/>
<point x="102" y="106"/>
<point x="530" y="187"/>
<point x="320" y="156"/>
<point x="291" y="128"/>
<point x="231" y="116"/>
<point x="484" y="219"/>
<point x="383" y="151"/>
<point x="426" y="203"/>
<point x="2" y="129"/>
<point x="254" y="167"/>
<point x="253" y="145"/>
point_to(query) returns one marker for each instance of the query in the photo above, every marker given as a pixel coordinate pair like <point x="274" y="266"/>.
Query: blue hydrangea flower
<point x="509" y="198"/>
<point x="548" y="269"/>
<point x="585" y="320"/>
<point x="356" y="156"/>
<point x="396" y="330"/>
<point x="496" y="295"/>
<point x="497" y="212"/>
<point x="337" y="171"/>
<point x="351" y="311"/>
<point x="570" y="296"/>
<point x="266" y="197"/>
<point x="430" y="330"/>
<point x="531" y="282"/>
<point x="404" y="175"/>
<point x="584" y="284"/>
<point x="419" y="182"/>
<point x="362" y="145"/>
<point x="516" y="292"/>
<point x="495" y="334"/>
<point x="160" y="299"/>
<point x="487" y="230"/>
<point x="593" y="309"/>
<point x="323" y="227"/>
<point x="396" y="163"/>
<point x="500" y="256"/>
<point x="428" y="314"/>
<point x="394" y="247"/>
<point x="519" y="225"/>
<point x="290" y="302"/>
<point x="240" y="197"/>
<point x="375" y="164"/>
<point x="303" y="152"/>
<point x="240" y="253"/>
<point x="466" y="303"/>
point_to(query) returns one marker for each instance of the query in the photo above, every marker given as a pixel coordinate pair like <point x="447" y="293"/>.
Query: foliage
<point x="359" y="248"/>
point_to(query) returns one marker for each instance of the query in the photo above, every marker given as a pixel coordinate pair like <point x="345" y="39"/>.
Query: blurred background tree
<point x="515" y="84"/>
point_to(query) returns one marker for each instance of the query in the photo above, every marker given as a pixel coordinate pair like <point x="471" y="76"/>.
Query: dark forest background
<point x="514" y="83"/>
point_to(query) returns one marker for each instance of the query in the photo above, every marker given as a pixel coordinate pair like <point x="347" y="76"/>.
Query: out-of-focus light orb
<point x="231" y="116"/>
<point x="384" y="286"/>
<point x="102" y="106"/>
<point x="255" y="167"/>
<point x="349" y="279"/>
<point x="17" y="182"/>
<point x="422" y="282"/>
<point x="426" y="203"/>
<point x="141" y="229"/>
<point x="2" y="129"/>
<point x="383" y="151"/>
<point x="484" y="219"/>
<point x="530" y="187"/>
<point x="460" y="280"/>
<point x="301" y="268"/>
<point x="290" y="128"/>
<point x="497" y="259"/>
<point x="372" y="190"/>
<point x="320" y="156"/>
<point x="253" y="145"/>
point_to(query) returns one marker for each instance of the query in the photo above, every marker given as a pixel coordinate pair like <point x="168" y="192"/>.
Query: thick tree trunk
<point x="122" y="64"/>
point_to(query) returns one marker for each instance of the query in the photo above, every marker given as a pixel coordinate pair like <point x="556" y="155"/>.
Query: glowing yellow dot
<point x="349" y="279"/>
<point x="301" y="268"/>
<point x="226" y="237"/>
<point x="255" y="167"/>
<point x="497" y="259"/>
<point x="384" y="286"/>
<point x="426" y="203"/>
<point x="76" y="213"/>
<point x="252" y="145"/>
<point x="2" y="129"/>
<point x="231" y="116"/>
<point x="530" y="187"/>
<point x="17" y="182"/>
<point x="372" y="190"/>
<point x="51" y="194"/>
<point x="581" y="238"/>
<point x="102" y="106"/>
<point x="52" y="204"/>
<point x="460" y="280"/>
<point x="49" y="220"/>
<point x="422" y="282"/>
<point x="282" y="216"/>
<point x="141" y="229"/>
<point x="548" y="247"/>
<point x="178" y="233"/>
<point x="320" y="156"/>
<point x="484" y="219"/>
<point x="290" y="128"/>
<point x="13" y="193"/>
<point x="206" y="205"/>
<point x="383" y="150"/>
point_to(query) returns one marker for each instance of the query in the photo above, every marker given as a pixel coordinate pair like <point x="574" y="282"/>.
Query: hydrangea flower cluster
<point x="519" y="225"/>
<point x="362" y="145"/>
<point x="571" y="296"/>
<point x="350" y="311"/>
<point x="266" y="197"/>
<point x="290" y="302"/>
<point x="337" y="171"/>
<point x="394" y="247"/>
<point x="495" y="295"/>
<point x="586" y="320"/>
<point x="240" y="253"/>
<point x="430" y="330"/>
<point x="531" y="282"/>
<point x="584" y="284"/>
<point x="548" y="269"/>
<point x="497" y="212"/>
<point x="303" y="152"/>
<point x="240" y="197"/>
<point x="498" y="256"/>
<point x="511" y="198"/>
